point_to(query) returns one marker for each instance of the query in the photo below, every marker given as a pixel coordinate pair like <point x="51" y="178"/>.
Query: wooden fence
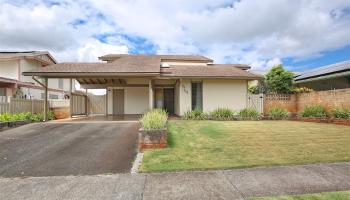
<point x="256" y="102"/>
<point x="14" y="105"/>
<point x="97" y="104"/>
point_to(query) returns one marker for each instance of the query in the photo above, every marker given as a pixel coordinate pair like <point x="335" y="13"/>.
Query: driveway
<point x="55" y="149"/>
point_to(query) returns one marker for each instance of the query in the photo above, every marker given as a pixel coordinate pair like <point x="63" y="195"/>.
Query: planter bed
<point x="323" y="120"/>
<point x="151" y="139"/>
<point x="11" y="124"/>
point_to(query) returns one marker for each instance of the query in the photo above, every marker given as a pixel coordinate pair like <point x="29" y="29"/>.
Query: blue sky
<point x="301" y="34"/>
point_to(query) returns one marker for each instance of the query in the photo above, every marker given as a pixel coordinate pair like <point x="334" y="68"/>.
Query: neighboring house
<point x="177" y="83"/>
<point x="335" y="76"/>
<point x="13" y="83"/>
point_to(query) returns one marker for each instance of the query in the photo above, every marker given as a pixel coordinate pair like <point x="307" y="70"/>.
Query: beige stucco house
<point x="177" y="83"/>
<point x="12" y="82"/>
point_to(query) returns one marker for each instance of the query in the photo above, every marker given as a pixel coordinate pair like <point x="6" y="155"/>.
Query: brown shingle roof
<point x="122" y="65"/>
<point x="215" y="70"/>
<point x="110" y="57"/>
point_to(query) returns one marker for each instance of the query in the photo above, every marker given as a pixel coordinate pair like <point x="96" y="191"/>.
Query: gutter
<point x="331" y="76"/>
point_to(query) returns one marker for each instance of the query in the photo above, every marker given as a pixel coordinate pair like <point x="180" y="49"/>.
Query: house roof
<point x="323" y="71"/>
<point x="197" y="58"/>
<point x="143" y="65"/>
<point x="27" y="54"/>
<point x="214" y="70"/>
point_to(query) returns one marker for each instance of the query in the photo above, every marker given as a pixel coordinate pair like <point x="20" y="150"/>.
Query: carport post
<point x="45" y="100"/>
<point x="150" y="94"/>
<point x="70" y="98"/>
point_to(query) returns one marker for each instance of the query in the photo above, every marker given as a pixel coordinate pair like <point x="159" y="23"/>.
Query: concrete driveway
<point x="55" y="149"/>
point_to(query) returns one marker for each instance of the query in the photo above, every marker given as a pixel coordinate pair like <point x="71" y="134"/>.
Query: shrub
<point x="37" y="117"/>
<point x="314" y="111"/>
<point x="277" y="113"/>
<point x="154" y="119"/>
<point x="302" y="90"/>
<point x="222" y="114"/>
<point x="249" y="113"/>
<point x="195" y="115"/>
<point x="51" y="115"/>
<point x="341" y="113"/>
<point x="5" y="117"/>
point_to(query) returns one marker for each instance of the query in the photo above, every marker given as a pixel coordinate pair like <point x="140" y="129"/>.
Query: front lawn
<point x="199" y="145"/>
<point x="319" y="196"/>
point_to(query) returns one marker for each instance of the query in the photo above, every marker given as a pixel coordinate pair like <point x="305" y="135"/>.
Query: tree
<point x="261" y="87"/>
<point x="279" y="80"/>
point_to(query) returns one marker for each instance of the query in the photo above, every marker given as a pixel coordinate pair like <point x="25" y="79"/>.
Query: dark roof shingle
<point x="329" y="69"/>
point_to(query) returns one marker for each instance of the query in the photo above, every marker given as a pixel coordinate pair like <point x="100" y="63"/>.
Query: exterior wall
<point x="184" y="96"/>
<point x="329" y="99"/>
<point x="26" y="65"/>
<point x="109" y="102"/>
<point x="9" y="69"/>
<point x="135" y="100"/>
<point x="224" y="94"/>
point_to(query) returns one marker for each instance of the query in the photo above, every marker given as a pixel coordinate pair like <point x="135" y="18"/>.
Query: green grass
<point x="345" y="195"/>
<point x="200" y="145"/>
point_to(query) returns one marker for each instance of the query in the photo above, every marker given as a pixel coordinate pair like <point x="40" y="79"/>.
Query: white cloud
<point x="259" y="33"/>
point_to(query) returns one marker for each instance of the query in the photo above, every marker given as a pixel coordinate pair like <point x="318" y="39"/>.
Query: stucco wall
<point x="110" y="101"/>
<point x="184" y="96"/>
<point x="9" y="69"/>
<point x="224" y="94"/>
<point x="135" y="100"/>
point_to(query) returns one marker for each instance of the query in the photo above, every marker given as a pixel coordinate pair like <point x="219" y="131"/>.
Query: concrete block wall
<point x="330" y="99"/>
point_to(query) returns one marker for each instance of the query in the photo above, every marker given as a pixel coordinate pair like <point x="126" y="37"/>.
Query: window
<point x="197" y="96"/>
<point x="60" y="83"/>
<point x="2" y="91"/>
<point x="53" y="96"/>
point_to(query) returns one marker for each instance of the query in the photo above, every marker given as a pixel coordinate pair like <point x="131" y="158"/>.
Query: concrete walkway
<point x="221" y="184"/>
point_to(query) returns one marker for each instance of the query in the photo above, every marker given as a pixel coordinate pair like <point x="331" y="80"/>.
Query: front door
<point x="169" y="100"/>
<point x="118" y="101"/>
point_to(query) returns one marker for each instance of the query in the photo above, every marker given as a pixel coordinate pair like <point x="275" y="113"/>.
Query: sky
<point x="301" y="34"/>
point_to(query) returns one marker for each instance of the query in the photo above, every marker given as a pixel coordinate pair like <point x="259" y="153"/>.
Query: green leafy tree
<point x="279" y="80"/>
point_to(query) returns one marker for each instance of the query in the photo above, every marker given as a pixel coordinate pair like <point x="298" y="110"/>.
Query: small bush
<point x="6" y="117"/>
<point x="222" y="114"/>
<point x="249" y="113"/>
<point x="341" y="113"/>
<point x="155" y="119"/>
<point x="195" y="115"/>
<point x="277" y="113"/>
<point x="314" y="111"/>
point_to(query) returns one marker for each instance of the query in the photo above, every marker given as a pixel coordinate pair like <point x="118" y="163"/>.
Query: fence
<point x="79" y="104"/>
<point x="14" y="105"/>
<point x="97" y="104"/>
<point x="256" y="102"/>
<point x="294" y="103"/>
<point x="22" y="105"/>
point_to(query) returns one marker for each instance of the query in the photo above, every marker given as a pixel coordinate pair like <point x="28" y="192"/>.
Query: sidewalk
<point x="220" y="184"/>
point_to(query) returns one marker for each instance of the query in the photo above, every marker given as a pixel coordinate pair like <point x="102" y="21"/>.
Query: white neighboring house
<point x="13" y="83"/>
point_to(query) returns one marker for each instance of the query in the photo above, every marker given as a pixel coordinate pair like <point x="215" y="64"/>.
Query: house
<point x="335" y="76"/>
<point x="177" y="83"/>
<point x="13" y="83"/>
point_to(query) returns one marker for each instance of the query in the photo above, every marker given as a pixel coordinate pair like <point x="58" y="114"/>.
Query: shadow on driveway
<point x="56" y="149"/>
